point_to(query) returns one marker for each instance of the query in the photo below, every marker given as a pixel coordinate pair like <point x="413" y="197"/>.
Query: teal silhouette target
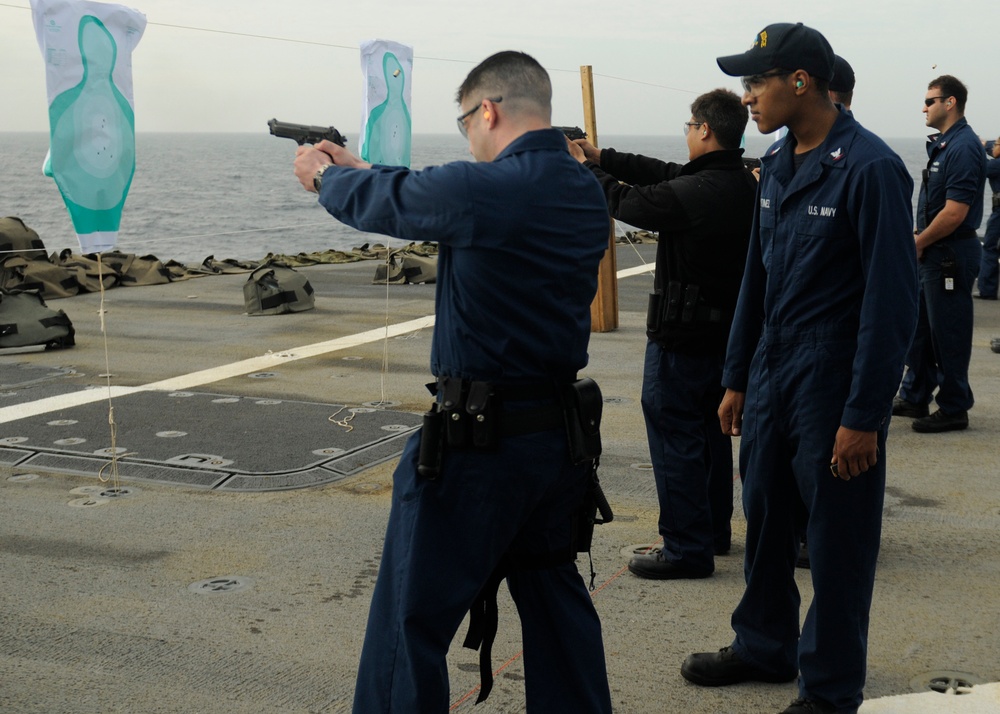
<point x="92" y="138"/>
<point x="388" y="132"/>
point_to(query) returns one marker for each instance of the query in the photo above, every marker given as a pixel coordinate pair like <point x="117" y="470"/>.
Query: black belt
<point x="546" y="414"/>
<point x="704" y="313"/>
<point x="960" y="234"/>
<point x="528" y="421"/>
<point x="515" y="391"/>
<point x="526" y="392"/>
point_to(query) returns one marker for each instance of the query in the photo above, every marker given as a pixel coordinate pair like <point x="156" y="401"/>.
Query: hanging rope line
<point x="385" y="342"/>
<point x="345" y="423"/>
<point x="113" y="464"/>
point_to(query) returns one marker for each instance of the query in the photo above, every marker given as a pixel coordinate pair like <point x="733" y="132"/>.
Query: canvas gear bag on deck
<point x="406" y="267"/>
<point x="49" y="279"/>
<point x="16" y="239"/>
<point x="134" y="269"/>
<point x="26" y="320"/>
<point x="86" y="271"/>
<point x="26" y="265"/>
<point x="274" y="289"/>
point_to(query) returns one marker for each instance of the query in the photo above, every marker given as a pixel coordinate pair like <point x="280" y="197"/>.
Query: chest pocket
<point x="822" y="240"/>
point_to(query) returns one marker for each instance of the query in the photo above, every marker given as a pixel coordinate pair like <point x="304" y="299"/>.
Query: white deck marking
<point x="629" y="272"/>
<point x="215" y="374"/>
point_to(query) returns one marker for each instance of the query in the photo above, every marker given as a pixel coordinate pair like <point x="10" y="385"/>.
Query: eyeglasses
<point x="929" y="102"/>
<point x="462" y="128"/>
<point x="689" y="124"/>
<point x="755" y="84"/>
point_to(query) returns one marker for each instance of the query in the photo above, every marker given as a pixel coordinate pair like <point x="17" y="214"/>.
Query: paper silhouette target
<point x="386" y="133"/>
<point x="87" y="48"/>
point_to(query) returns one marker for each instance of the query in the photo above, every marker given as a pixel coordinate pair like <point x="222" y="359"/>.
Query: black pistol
<point x="572" y="132"/>
<point x="751" y="163"/>
<point x="302" y="133"/>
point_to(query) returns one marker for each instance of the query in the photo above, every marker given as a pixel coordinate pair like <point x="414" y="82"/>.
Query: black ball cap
<point x="783" y="45"/>
<point x="843" y="75"/>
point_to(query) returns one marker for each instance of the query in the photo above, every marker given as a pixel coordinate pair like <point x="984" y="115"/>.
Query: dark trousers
<point x="791" y="416"/>
<point x="443" y="540"/>
<point x="989" y="267"/>
<point x="692" y="459"/>
<point x="939" y="355"/>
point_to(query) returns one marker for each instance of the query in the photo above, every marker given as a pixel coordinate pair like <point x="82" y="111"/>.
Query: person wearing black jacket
<point x="703" y="211"/>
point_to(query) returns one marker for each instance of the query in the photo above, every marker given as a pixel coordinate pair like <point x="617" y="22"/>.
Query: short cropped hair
<point x="517" y="77"/>
<point x="821" y="85"/>
<point x="844" y="98"/>
<point x="722" y="110"/>
<point x="951" y="87"/>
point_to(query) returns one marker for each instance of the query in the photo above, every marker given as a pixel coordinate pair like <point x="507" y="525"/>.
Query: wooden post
<point x="604" y="309"/>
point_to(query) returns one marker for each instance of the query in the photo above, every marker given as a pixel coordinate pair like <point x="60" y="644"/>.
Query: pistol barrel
<point x="303" y="133"/>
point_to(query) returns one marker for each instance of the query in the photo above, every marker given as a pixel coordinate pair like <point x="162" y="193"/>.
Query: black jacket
<point x="703" y="212"/>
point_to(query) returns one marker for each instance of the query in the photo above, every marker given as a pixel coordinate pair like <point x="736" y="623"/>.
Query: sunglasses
<point x="929" y="102"/>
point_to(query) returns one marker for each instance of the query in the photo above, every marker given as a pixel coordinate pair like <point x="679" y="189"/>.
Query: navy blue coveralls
<point x="989" y="269"/>
<point x="826" y="311"/>
<point x="703" y="211"/>
<point x="520" y="240"/>
<point x="942" y="346"/>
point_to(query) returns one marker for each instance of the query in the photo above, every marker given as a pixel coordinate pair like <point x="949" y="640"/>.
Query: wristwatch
<point x="318" y="178"/>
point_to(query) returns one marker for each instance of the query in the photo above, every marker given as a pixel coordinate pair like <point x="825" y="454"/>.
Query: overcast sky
<point x="650" y="58"/>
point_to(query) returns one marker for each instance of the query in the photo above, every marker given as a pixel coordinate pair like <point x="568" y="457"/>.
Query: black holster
<point x="582" y="406"/>
<point x="654" y="311"/>
<point x="595" y="504"/>
<point x="431" y="443"/>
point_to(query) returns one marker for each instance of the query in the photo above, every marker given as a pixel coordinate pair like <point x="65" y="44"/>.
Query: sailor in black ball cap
<point x="826" y="311"/>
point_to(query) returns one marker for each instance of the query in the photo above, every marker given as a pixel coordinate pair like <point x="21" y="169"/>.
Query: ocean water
<point x="235" y="196"/>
